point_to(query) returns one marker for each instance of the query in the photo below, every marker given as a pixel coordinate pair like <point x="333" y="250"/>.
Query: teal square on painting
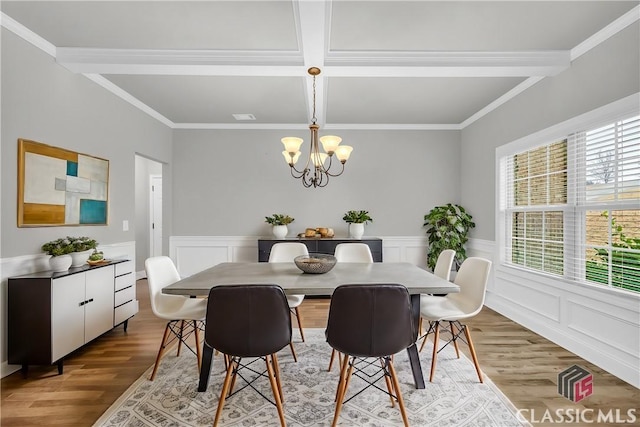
<point x="93" y="211"/>
<point x="72" y="168"/>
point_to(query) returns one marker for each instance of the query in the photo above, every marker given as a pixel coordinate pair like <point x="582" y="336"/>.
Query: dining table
<point x="293" y="281"/>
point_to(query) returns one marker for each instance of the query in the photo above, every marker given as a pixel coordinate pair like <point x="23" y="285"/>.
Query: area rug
<point x="454" y="398"/>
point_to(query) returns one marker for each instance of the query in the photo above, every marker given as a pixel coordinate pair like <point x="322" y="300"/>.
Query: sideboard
<point x="52" y="314"/>
<point x="321" y="245"/>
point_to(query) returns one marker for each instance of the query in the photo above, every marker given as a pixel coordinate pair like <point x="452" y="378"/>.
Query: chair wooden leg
<point x="198" y="351"/>
<point x="299" y="319"/>
<point x="396" y="385"/>
<point x="293" y="352"/>
<point x="276" y="370"/>
<point x="342" y="389"/>
<point x="167" y="331"/>
<point x="333" y="356"/>
<point x="455" y="339"/>
<point x="343" y="370"/>
<point x="420" y="327"/>
<point x="223" y="393"/>
<point x="234" y="376"/>
<point x="388" y="381"/>
<point x="276" y="392"/>
<point x="424" y="341"/>
<point x="473" y="352"/>
<point x="436" y="335"/>
<point x="181" y="335"/>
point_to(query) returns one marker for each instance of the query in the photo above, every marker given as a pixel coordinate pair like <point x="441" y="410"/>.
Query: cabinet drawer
<point x="124" y="268"/>
<point x="124" y="295"/>
<point x="124" y="281"/>
<point x="124" y="312"/>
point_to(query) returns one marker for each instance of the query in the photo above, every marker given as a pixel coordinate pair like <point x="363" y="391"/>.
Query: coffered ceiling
<point x="385" y="64"/>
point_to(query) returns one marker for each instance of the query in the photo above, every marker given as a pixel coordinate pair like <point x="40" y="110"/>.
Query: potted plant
<point x="356" y="221"/>
<point x="59" y="250"/>
<point x="279" y="223"/>
<point x="447" y="227"/>
<point x="82" y="249"/>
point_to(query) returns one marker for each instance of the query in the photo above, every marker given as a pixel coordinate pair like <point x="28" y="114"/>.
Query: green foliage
<point x="357" y="217"/>
<point x="448" y="228"/>
<point x="69" y="244"/>
<point x="279" y="219"/>
<point x="625" y="265"/>
<point x="96" y="256"/>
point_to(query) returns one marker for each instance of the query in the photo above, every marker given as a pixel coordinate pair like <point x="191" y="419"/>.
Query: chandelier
<point x="318" y="167"/>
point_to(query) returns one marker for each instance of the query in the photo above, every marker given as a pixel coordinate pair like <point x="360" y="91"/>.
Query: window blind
<point x="572" y="207"/>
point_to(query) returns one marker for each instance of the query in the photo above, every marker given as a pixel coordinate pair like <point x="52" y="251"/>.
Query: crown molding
<point x="21" y="31"/>
<point x="126" y="96"/>
<point x="610" y="30"/>
<point x="501" y="100"/>
<point x="295" y="126"/>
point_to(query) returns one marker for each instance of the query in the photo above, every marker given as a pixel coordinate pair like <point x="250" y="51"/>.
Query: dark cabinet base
<point x="325" y="246"/>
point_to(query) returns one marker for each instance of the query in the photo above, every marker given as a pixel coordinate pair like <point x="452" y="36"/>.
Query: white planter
<point x="60" y="263"/>
<point x="78" y="259"/>
<point x="280" y="231"/>
<point x="356" y="230"/>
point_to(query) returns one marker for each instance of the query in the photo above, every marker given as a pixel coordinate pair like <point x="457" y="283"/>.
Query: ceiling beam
<point x="335" y="64"/>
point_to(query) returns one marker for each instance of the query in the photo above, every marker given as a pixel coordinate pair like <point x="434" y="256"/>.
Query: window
<point x="571" y="207"/>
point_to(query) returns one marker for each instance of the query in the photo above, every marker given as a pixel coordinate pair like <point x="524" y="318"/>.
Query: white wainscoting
<point x="27" y="264"/>
<point x="192" y="254"/>
<point x="599" y="324"/>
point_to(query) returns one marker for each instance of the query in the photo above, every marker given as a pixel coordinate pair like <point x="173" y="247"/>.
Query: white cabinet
<point x="125" y="303"/>
<point x="98" y="310"/>
<point x="81" y="309"/>
<point x="52" y="314"/>
<point x="67" y="315"/>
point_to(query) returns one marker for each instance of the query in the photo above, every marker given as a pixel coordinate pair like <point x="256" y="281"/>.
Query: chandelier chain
<point x="314" y="119"/>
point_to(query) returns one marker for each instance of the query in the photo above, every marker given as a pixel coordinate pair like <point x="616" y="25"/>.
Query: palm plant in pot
<point x="448" y="227"/>
<point x="279" y="223"/>
<point x="356" y="221"/>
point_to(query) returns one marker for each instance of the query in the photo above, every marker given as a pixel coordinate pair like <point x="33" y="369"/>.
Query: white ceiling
<point x="385" y="64"/>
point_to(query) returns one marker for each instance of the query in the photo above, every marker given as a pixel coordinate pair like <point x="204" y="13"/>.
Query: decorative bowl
<point x="315" y="263"/>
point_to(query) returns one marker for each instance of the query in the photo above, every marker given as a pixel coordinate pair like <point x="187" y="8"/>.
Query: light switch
<point x="125" y="225"/>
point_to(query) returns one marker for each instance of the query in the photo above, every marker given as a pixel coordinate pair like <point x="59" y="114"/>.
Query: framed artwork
<point x="58" y="187"/>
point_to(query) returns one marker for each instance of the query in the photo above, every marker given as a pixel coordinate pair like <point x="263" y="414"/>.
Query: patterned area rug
<point x="455" y="398"/>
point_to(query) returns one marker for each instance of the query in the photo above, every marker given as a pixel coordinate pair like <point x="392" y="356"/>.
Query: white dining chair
<point x="472" y="279"/>
<point x="442" y="270"/>
<point x="286" y="252"/>
<point x="353" y="252"/>
<point x="185" y="316"/>
<point x="350" y="252"/>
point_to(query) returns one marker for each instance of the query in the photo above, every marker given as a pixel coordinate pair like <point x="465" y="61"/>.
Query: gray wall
<point x="44" y="102"/>
<point x="606" y="73"/>
<point x="226" y="182"/>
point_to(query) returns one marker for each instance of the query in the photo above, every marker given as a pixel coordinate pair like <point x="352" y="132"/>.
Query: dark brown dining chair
<point x="248" y="321"/>
<point x="370" y="321"/>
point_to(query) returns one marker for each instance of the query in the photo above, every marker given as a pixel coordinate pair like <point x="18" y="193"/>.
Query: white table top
<point x="294" y="281"/>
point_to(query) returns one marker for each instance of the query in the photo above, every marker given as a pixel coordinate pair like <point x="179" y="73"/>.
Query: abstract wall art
<point x="59" y="187"/>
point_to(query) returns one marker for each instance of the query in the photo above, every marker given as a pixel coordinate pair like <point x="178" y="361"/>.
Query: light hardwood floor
<point x="521" y="363"/>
